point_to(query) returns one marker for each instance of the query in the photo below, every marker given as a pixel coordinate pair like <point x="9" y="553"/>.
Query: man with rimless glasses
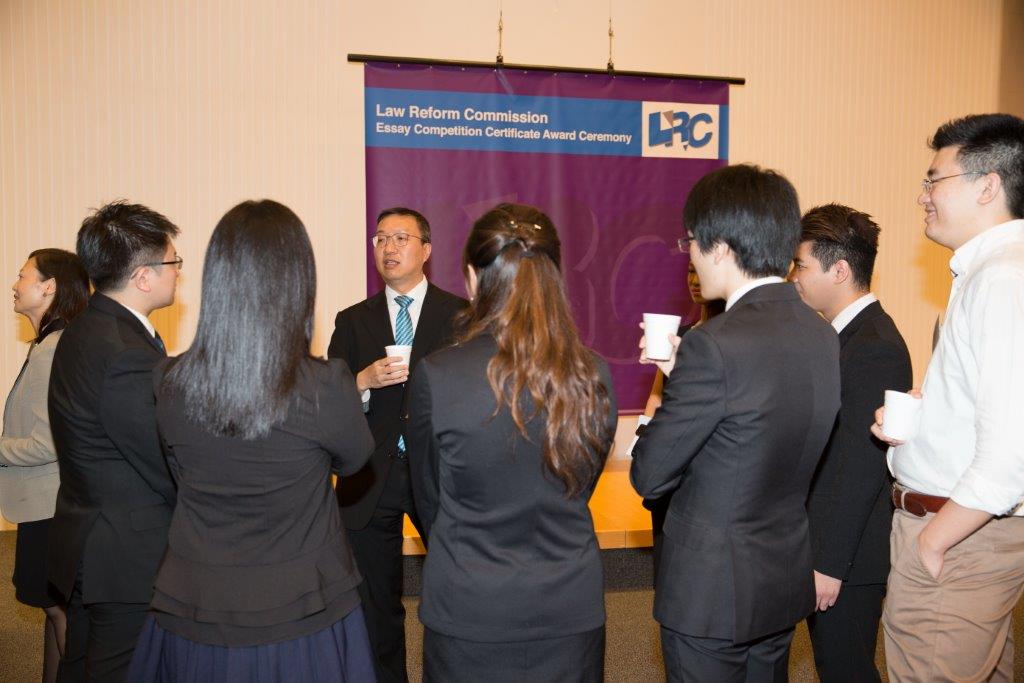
<point x="410" y="311"/>
<point x="958" y="531"/>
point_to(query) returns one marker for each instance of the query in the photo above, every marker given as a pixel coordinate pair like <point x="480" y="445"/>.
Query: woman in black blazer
<point x="508" y="433"/>
<point x="258" y="582"/>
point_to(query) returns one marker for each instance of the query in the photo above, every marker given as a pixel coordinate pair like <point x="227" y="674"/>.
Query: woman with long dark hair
<point x="508" y="433"/>
<point x="258" y="582"/>
<point x="51" y="289"/>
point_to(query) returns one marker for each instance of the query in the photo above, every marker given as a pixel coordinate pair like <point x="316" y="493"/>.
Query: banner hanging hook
<point x="611" y="37"/>
<point x="501" y="30"/>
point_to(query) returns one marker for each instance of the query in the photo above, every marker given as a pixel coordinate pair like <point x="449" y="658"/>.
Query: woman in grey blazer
<point x="508" y="433"/>
<point x="52" y="287"/>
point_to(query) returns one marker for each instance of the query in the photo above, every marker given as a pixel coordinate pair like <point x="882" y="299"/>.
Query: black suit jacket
<point x="747" y="411"/>
<point x="247" y="562"/>
<point x="116" y="495"/>
<point x="510" y="557"/>
<point x="850" y="506"/>
<point x="360" y="334"/>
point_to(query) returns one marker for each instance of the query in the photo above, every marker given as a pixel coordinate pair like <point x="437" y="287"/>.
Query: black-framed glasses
<point x="684" y="244"/>
<point x="928" y="183"/>
<point x="177" y="263"/>
<point x="399" y="238"/>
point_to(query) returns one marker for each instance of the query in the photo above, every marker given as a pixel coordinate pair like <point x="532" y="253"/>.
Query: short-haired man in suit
<point x="850" y="505"/>
<point x="958" y="531"/>
<point x="409" y="311"/>
<point x="749" y="402"/>
<point x="116" y="495"/>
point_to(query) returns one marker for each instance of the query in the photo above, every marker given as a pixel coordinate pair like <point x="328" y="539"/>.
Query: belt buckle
<point x="918" y="509"/>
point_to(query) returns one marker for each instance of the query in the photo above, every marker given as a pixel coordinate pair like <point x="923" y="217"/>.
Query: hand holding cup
<point x="659" y="344"/>
<point x="390" y="370"/>
<point x="897" y="421"/>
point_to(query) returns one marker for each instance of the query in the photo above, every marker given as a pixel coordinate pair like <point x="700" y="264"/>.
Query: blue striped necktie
<point x="403" y="335"/>
<point x="403" y="321"/>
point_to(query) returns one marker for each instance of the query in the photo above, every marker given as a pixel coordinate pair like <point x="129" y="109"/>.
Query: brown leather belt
<point x="918" y="504"/>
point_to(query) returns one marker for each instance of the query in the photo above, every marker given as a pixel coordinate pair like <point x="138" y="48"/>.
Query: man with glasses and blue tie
<point x="410" y="311"/>
<point x="958" y="531"/>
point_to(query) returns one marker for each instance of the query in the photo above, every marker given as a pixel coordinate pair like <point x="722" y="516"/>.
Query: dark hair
<point x="754" y="211"/>
<point x="520" y="299"/>
<point x="421" y="220"/>
<point x="255" y="322"/>
<point x="118" y="238"/>
<point x="837" y="232"/>
<point x="989" y="143"/>
<point x="72" y="294"/>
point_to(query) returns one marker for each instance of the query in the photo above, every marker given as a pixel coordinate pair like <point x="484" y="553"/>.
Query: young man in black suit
<point x="749" y="402"/>
<point x="116" y="495"/>
<point x="850" y="506"/>
<point x="373" y="501"/>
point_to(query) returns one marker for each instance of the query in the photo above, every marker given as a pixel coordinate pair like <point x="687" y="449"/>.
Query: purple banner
<point x="610" y="159"/>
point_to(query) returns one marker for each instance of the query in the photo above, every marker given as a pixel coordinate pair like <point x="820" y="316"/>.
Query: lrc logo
<point x="693" y="131"/>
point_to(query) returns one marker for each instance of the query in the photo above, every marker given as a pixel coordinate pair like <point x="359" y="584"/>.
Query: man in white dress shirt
<point x="958" y="532"/>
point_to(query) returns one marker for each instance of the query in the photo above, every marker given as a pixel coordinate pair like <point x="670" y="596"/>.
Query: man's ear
<point x="840" y="271"/>
<point x="141" y="279"/>
<point x="426" y="252"/>
<point x="993" y="185"/>
<point x="720" y="250"/>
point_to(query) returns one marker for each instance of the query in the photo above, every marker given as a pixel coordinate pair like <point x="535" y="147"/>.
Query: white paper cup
<point x="403" y="350"/>
<point x="902" y="413"/>
<point x="657" y="329"/>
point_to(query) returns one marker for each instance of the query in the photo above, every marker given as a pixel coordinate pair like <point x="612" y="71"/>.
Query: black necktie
<point x="159" y="342"/>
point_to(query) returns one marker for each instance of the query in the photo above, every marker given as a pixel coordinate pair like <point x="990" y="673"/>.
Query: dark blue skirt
<point x="340" y="652"/>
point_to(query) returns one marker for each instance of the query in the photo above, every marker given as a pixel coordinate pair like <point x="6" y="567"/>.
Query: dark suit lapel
<point x="428" y="327"/>
<point x="872" y="310"/>
<point x="378" y="321"/>
<point x="104" y="303"/>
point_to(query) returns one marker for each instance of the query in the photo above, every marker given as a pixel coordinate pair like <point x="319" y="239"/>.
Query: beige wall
<point x="192" y="105"/>
<point x="1011" y="69"/>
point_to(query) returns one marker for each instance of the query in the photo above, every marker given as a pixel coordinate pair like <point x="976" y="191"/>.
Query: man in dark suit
<point x="850" y="505"/>
<point x="409" y="311"/>
<point x="116" y="495"/>
<point x="749" y="402"/>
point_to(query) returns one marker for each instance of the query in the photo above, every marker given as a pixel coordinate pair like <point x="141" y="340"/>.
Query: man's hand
<point x="827" y="591"/>
<point x="382" y="373"/>
<point x="664" y="365"/>
<point x="876" y="428"/>
<point x="932" y="556"/>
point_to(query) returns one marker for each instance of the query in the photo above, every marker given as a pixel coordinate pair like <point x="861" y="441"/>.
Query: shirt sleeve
<point x="994" y="481"/>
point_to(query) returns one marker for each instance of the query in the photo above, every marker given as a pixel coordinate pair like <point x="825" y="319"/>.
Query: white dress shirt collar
<point x="847" y="315"/>
<point x="417" y="293"/>
<point x="976" y="249"/>
<point x="753" y="284"/>
<point x="144" y="320"/>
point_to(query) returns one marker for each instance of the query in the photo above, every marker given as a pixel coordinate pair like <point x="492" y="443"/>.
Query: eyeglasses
<point x="399" y="238"/>
<point x="177" y="262"/>
<point x="684" y="244"/>
<point x="928" y="184"/>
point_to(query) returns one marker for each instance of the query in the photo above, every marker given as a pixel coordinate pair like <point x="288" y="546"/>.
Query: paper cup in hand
<point x="902" y="412"/>
<point x="403" y="350"/>
<point x="657" y="330"/>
